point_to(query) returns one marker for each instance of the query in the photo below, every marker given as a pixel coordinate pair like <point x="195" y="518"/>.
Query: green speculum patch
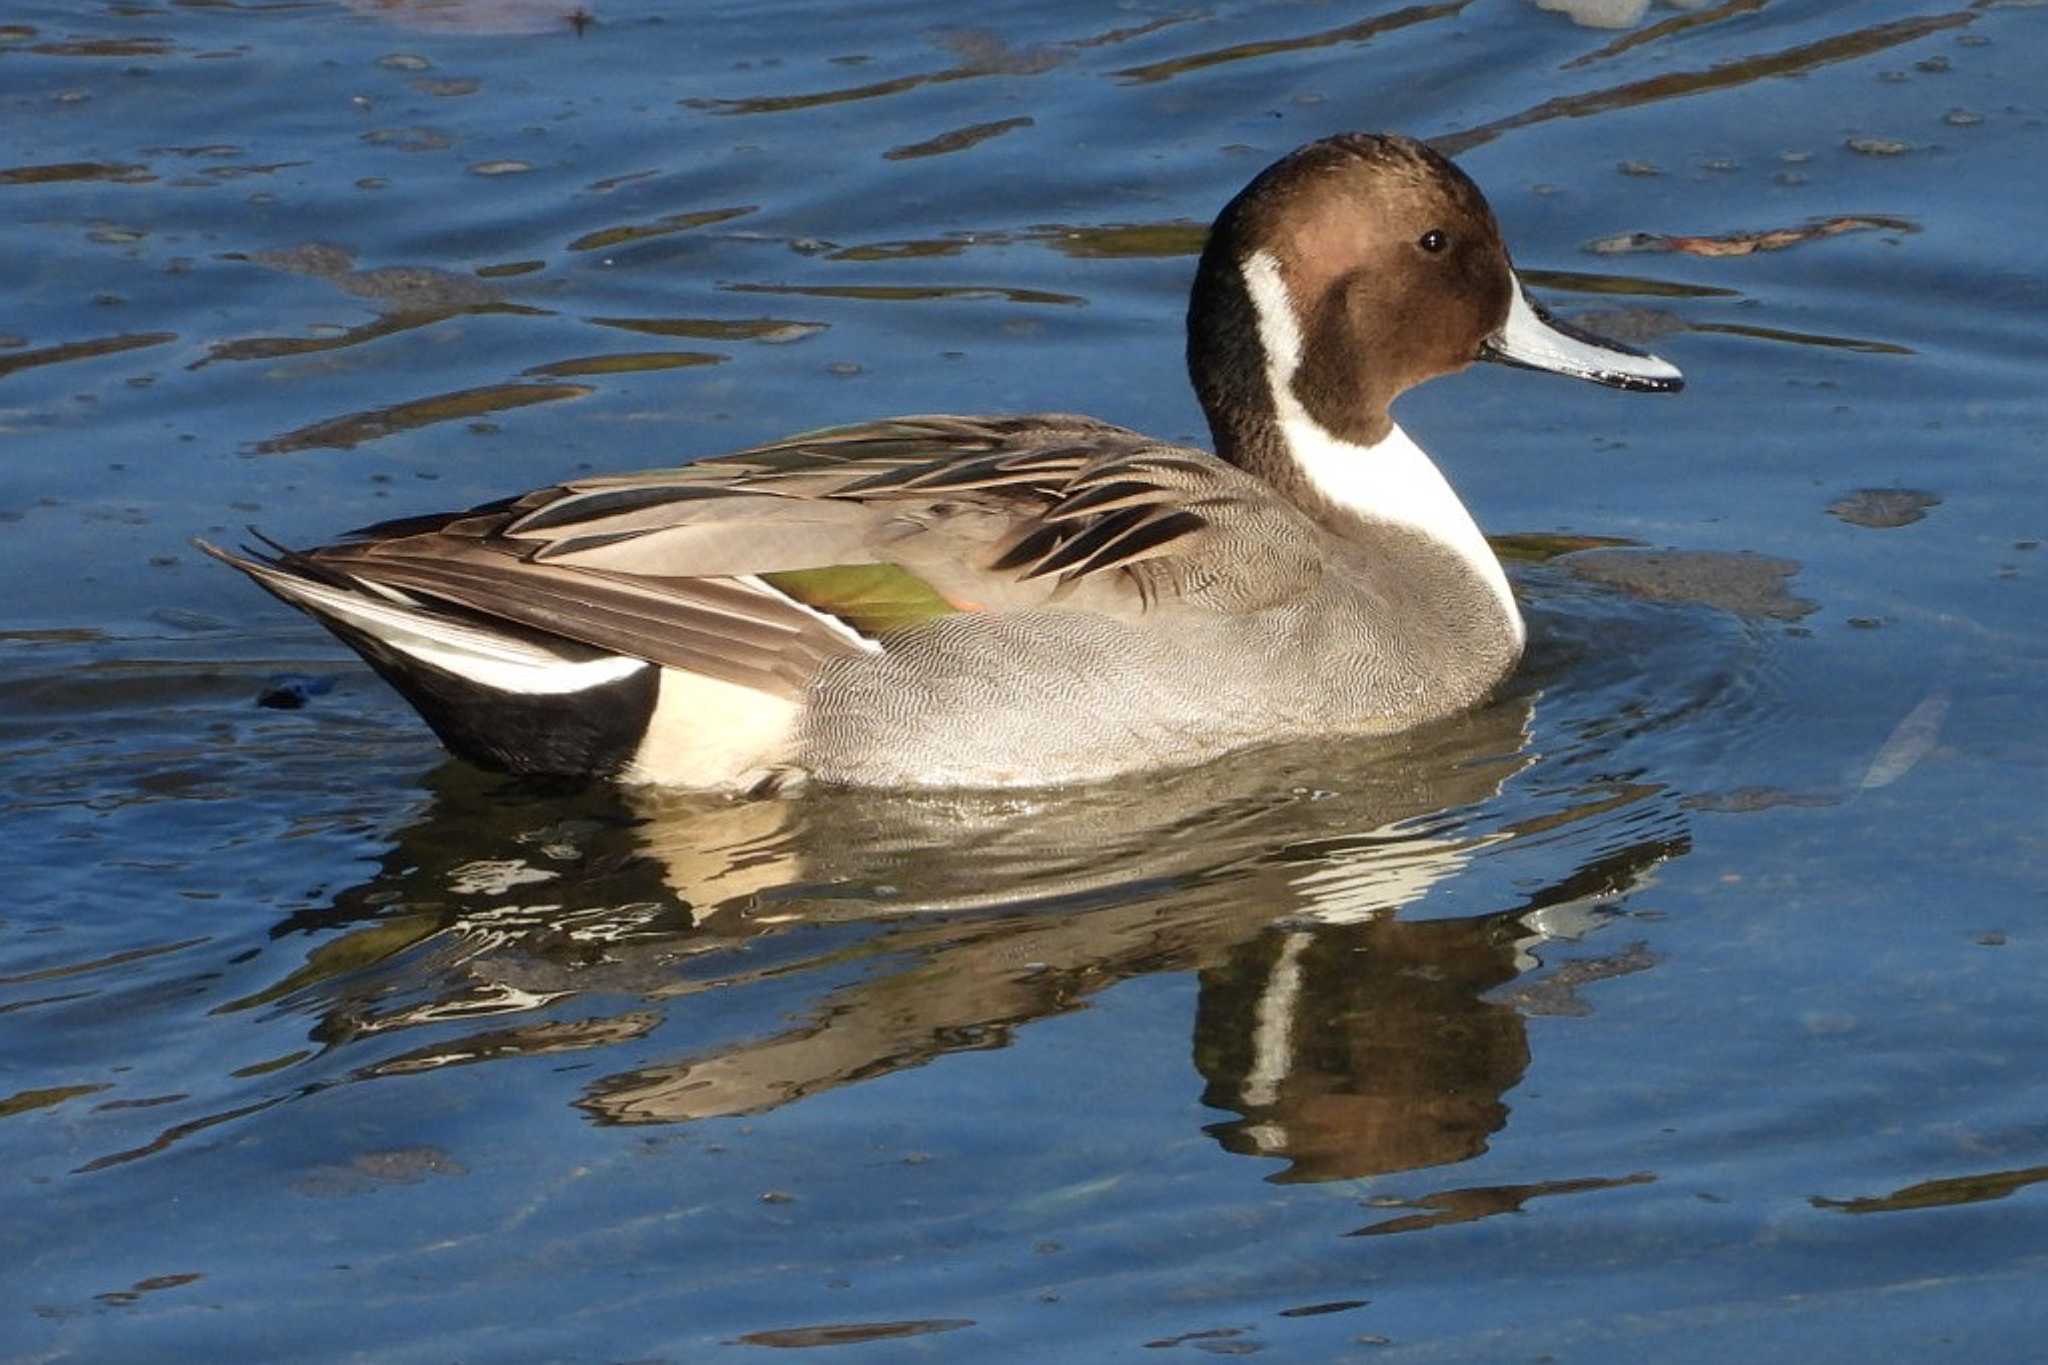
<point x="871" y="598"/>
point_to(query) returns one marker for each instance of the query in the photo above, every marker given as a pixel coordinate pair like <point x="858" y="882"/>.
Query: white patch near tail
<point x="484" y="657"/>
<point x="1390" y="481"/>
<point x="708" y="733"/>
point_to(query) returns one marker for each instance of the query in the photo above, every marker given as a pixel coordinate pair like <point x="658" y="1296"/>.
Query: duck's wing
<point x="993" y="511"/>
<point x="758" y="567"/>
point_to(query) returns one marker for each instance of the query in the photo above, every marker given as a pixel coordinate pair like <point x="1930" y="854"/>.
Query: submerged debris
<point x="1883" y="509"/>
<point x="1746" y="584"/>
<point x="397" y="290"/>
<point x="367" y="1172"/>
<point x="290" y="691"/>
<point x="1745" y="243"/>
<point x="957" y="140"/>
<point x="1749" y="800"/>
<point x="501" y="17"/>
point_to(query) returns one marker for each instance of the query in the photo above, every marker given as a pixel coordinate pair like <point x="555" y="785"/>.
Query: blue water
<point x="1681" y="1005"/>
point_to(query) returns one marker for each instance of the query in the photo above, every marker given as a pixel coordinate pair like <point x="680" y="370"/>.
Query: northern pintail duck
<point x="992" y="601"/>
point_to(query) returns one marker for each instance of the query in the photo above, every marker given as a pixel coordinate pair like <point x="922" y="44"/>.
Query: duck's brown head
<point x="1355" y="268"/>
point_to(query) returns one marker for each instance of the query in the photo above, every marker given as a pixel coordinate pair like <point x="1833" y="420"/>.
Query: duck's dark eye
<point x="1434" y="240"/>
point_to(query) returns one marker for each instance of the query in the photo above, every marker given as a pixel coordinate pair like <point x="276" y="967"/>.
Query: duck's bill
<point x="1534" y="340"/>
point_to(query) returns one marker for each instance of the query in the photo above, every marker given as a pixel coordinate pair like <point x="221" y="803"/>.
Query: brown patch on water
<point x="1746" y="584"/>
<point x="367" y="1172"/>
<point x="1883" y="509"/>
<point x="851" y="1333"/>
<point x="960" y="139"/>
<point x="1747" y="243"/>
<point x="505" y="18"/>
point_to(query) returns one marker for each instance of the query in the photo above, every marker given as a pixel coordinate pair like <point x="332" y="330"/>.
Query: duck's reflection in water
<point x="1385" y="1044"/>
<point x="1349" y="1038"/>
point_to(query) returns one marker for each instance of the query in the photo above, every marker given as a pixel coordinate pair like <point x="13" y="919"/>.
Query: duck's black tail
<point x="501" y="695"/>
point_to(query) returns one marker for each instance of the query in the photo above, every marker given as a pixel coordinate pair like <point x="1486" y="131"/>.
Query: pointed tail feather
<point x="505" y="698"/>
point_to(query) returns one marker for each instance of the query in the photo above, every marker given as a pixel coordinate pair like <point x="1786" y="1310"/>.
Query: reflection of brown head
<point x="1358" y="1049"/>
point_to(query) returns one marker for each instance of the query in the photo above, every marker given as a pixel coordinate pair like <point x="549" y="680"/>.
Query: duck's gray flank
<point x="985" y="601"/>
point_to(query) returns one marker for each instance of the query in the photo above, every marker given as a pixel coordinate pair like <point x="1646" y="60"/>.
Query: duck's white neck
<point x="1391" y="481"/>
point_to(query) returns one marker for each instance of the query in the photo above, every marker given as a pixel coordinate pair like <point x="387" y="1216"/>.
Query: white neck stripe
<point x="1390" y="481"/>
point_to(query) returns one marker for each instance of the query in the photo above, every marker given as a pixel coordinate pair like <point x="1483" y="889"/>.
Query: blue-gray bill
<point x="1534" y="340"/>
